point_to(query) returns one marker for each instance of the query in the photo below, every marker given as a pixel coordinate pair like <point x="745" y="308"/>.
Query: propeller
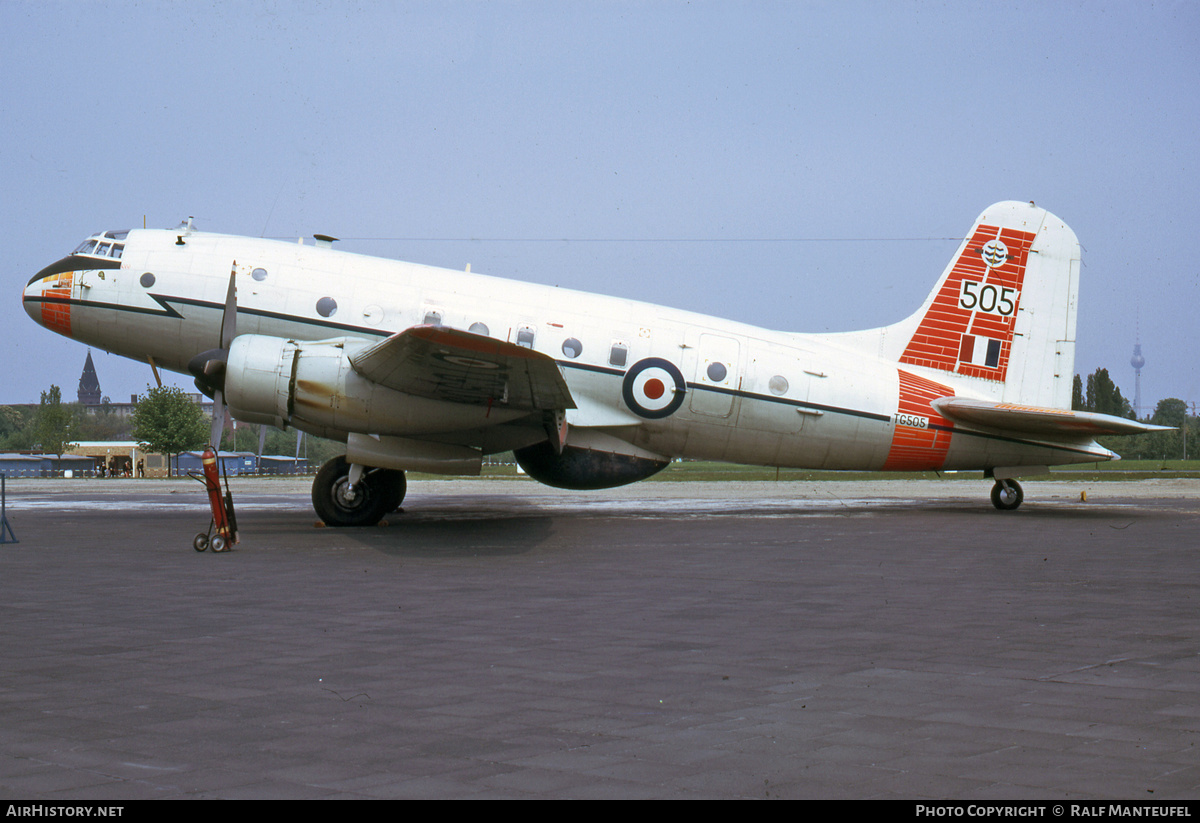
<point x="208" y="367"/>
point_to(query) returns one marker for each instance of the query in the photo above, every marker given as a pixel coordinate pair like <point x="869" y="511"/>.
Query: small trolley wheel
<point x="200" y="542"/>
<point x="218" y="544"/>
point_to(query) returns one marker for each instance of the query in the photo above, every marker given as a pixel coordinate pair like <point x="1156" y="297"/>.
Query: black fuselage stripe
<point x="172" y="314"/>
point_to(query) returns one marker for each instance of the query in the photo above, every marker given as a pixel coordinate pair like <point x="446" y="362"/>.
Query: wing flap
<point x="1038" y="420"/>
<point x="461" y="367"/>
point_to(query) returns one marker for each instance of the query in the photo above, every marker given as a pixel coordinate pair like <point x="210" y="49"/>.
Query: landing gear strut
<point x="339" y="501"/>
<point x="1007" y="495"/>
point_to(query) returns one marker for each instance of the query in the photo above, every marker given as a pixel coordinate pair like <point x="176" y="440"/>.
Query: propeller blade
<point x="229" y="315"/>
<point x="218" y="419"/>
<point x="209" y="367"/>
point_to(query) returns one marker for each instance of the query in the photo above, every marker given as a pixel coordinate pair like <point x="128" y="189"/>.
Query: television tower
<point x="1137" y="361"/>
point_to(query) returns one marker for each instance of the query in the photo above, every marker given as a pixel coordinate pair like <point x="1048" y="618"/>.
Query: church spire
<point x="89" y="384"/>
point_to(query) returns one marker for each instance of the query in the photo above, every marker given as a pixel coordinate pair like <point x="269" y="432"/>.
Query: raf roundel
<point x="653" y="388"/>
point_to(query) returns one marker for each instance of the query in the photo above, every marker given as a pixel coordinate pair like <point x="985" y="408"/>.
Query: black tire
<point x="374" y="496"/>
<point x="1007" y="495"/>
<point x="200" y="542"/>
<point x="396" y="484"/>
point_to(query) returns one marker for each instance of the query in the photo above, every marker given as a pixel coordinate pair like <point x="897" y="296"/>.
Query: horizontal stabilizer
<point x="461" y="367"/>
<point x="1037" y="420"/>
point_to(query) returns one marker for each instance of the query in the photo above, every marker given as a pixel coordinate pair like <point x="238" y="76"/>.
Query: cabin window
<point x="778" y="385"/>
<point x="479" y="328"/>
<point x="147" y="280"/>
<point x="525" y="336"/>
<point x="432" y="318"/>
<point x="259" y="274"/>
<point x="618" y="354"/>
<point x="572" y="348"/>
<point x="717" y="372"/>
<point x="327" y="307"/>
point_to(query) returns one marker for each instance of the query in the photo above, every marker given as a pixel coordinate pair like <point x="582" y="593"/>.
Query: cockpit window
<point x="101" y="244"/>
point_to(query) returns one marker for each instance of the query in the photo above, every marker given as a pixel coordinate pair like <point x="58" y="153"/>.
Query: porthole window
<point x="479" y="328"/>
<point x="778" y="385"/>
<point x="572" y="348"/>
<point x="618" y="354"/>
<point x="259" y="274"/>
<point x="432" y="318"/>
<point x="525" y="337"/>
<point x="327" y="307"/>
<point x="717" y="372"/>
<point x="147" y="280"/>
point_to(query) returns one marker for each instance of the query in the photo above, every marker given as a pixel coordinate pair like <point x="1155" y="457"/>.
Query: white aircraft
<point x="427" y="369"/>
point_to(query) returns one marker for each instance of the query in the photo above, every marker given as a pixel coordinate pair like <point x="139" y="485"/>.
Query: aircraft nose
<point x="30" y="300"/>
<point x="47" y="298"/>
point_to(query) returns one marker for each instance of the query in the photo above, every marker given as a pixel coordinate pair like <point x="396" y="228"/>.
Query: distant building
<point x="89" y="384"/>
<point x="93" y="400"/>
<point x="112" y="458"/>
<point x="45" y="465"/>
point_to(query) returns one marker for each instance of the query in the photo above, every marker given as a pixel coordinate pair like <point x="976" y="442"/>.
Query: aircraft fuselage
<point x="669" y="382"/>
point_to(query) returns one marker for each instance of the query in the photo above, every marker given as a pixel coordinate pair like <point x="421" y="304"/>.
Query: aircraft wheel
<point x="397" y="486"/>
<point x="218" y="544"/>
<point x="373" y="497"/>
<point x="1007" y="495"/>
<point x="200" y="542"/>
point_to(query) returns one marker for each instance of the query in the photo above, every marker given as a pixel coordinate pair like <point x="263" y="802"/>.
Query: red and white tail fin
<point x="1001" y="320"/>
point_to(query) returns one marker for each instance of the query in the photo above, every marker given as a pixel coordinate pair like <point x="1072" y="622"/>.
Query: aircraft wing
<point x="1036" y="420"/>
<point x="461" y="367"/>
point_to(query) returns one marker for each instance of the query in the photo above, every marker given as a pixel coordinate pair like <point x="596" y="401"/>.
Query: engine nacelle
<point x="311" y="385"/>
<point x="589" y="460"/>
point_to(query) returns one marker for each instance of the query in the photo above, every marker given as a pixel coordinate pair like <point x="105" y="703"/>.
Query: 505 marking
<point x="988" y="298"/>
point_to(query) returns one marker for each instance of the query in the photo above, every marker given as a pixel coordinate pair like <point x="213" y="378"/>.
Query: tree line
<point x="1102" y="395"/>
<point x="165" y="420"/>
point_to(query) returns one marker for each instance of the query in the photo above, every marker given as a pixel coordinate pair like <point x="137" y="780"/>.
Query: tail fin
<point x="1002" y="317"/>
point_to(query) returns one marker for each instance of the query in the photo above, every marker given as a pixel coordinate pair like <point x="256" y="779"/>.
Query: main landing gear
<point x="352" y="495"/>
<point x="1007" y="495"/>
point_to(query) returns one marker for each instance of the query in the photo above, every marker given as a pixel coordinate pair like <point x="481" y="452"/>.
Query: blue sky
<point x="797" y="165"/>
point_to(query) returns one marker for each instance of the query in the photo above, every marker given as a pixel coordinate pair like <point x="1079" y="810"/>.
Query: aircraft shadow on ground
<point x="446" y="536"/>
<point x="466" y="538"/>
